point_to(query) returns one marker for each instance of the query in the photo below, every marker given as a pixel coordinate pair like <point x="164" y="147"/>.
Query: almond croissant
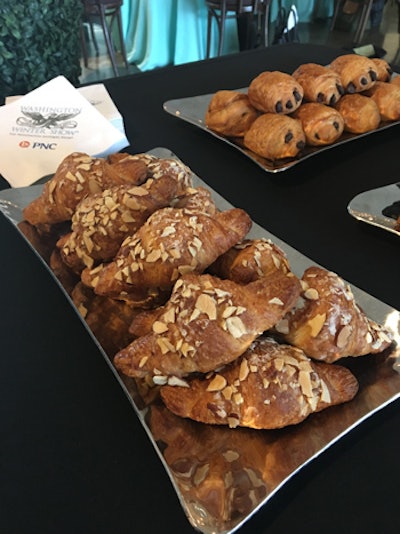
<point x="271" y="386"/>
<point x="77" y="176"/>
<point x="327" y="323"/>
<point x="101" y="222"/>
<point x="170" y="243"/>
<point x="207" y="323"/>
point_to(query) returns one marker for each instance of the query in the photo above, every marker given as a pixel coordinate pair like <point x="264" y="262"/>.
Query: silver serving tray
<point x="193" y="110"/>
<point x="370" y="206"/>
<point x="244" y="467"/>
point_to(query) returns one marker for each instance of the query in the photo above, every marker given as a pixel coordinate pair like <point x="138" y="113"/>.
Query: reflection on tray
<point x="379" y="207"/>
<point x="193" y="110"/>
<point x="222" y="475"/>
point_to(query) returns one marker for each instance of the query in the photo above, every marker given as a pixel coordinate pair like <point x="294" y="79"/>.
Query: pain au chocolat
<point x="357" y="73"/>
<point x="275" y="136"/>
<point x="320" y="84"/>
<point x="275" y="92"/>
<point x="322" y="124"/>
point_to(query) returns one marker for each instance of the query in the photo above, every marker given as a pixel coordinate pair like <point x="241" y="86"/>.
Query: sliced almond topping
<point x="153" y="256"/>
<point x="343" y="336"/>
<point x="217" y="383"/>
<point x="316" y="323"/>
<point x="206" y="304"/>
<point x="143" y="361"/>
<point x="305" y="383"/>
<point x="159" y="327"/>
<point x="311" y="294"/>
<point x="160" y="380"/>
<point x="276" y="300"/>
<point x="325" y="395"/>
<point x="235" y="326"/>
<point x="176" y="381"/>
<point x="243" y="369"/>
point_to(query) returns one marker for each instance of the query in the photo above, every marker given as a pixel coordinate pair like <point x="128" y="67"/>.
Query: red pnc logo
<point x="24" y="144"/>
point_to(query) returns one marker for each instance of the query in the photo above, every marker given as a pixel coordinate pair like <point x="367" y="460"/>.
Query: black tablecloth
<point x="74" y="457"/>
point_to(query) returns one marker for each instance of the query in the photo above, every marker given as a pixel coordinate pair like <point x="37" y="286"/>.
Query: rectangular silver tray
<point x="193" y="110"/>
<point x="255" y="464"/>
<point x="370" y="207"/>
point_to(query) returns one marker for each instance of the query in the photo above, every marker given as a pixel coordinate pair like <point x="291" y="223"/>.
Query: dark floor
<point x="385" y="40"/>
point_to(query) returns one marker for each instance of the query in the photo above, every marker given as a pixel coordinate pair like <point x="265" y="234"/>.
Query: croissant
<point x="275" y="92"/>
<point x="250" y="260"/>
<point x="320" y="84"/>
<point x="171" y="242"/>
<point x="230" y="113"/>
<point x="395" y="80"/>
<point x="270" y="386"/>
<point x="327" y="322"/>
<point x="172" y="167"/>
<point x="77" y="176"/>
<point x="102" y="221"/>
<point x="357" y="73"/>
<point x="207" y="323"/>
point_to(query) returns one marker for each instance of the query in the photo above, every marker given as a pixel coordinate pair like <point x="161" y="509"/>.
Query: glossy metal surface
<point x="223" y="476"/>
<point x="193" y="110"/>
<point x="370" y="207"/>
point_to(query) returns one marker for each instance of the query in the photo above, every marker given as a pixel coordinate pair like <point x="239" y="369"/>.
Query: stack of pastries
<point x="281" y="114"/>
<point x="213" y="323"/>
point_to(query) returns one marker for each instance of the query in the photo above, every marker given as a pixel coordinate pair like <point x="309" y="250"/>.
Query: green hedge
<point x="39" y="39"/>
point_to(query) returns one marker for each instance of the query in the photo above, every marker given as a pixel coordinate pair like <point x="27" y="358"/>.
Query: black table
<point x="74" y="457"/>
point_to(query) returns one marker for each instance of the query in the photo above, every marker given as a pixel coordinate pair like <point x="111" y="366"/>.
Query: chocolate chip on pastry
<point x="360" y="113"/>
<point x="387" y="98"/>
<point x="275" y="136"/>
<point x="230" y="113"/>
<point x="275" y="92"/>
<point x="270" y="386"/>
<point x="320" y="84"/>
<point x="322" y="124"/>
<point x="383" y="68"/>
<point x="357" y="73"/>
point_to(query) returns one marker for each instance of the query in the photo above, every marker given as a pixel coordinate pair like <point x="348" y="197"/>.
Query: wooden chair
<point x="106" y="12"/>
<point x="363" y="13"/>
<point x="221" y="10"/>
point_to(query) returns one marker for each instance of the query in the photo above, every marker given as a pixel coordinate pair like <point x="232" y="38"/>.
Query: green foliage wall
<point x="39" y="39"/>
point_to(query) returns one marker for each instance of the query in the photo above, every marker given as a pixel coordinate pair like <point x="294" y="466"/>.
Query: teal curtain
<point x="172" y="32"/>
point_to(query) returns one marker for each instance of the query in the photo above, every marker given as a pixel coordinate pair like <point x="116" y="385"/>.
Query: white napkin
<point x="39" y="129"/>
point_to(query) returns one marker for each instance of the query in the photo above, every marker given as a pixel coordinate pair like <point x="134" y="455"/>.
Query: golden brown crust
<point x="387" y="97"/>
<point x="384" y="70"/>
<point x="360" y="113"/>
<point x="250" y="260"/>
<point x="327" y="322"/>
<point x="322" y="124"/>
<point x="357" y="73"/>
<point x="275" y="137"/>
<point x="77" y="176"/>
<point x="395" y="80"/>
<point x="171" y="242"/>
<point x="270" y="386"/>
<point x="207" y="323"/>
<point x="320" y="84"/>
<point x="230" y="113"/>
<point x="275" y="92"/>
<point x="102" y="221"/>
